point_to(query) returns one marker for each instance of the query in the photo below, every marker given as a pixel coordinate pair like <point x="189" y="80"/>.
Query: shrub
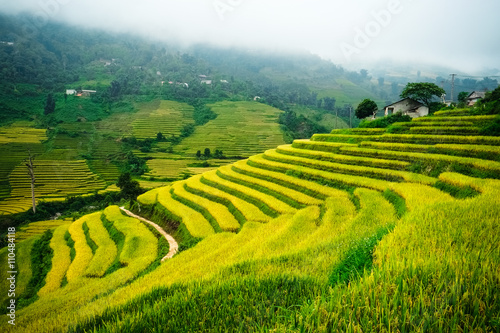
<point x="385" y="121"/>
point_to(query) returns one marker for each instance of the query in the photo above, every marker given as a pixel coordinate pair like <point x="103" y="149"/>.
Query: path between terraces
<point x="173" y="246"/>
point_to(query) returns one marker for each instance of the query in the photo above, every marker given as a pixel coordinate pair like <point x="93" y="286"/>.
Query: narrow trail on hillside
<point x="173" y="246"/>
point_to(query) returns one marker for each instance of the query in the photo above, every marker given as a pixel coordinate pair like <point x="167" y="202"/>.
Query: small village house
<point x="407" y="106"/>
<point x="474" y="97"/>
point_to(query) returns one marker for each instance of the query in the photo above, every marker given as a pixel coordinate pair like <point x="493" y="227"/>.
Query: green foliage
<point x="71" y="244"/>
<point x="202" y="114"/>
<point x="462" y="98"/>
<point x="41" y="263"/>
<point x="490" y="104"/>
<point x="385" y="121"/>
<point x="119" y="239"/>
<point x="135" y="165"/>
<point x="90" y="242"/>
<point x="129" y="188"/>
<point x="50" y="105"/>
<point x="456" y="191"/>
<point x="358" y="261"/>
<point x="299" y="127"/>
<point x="423" y="92"/>
<point x="366" y="108"/>
<point x="397" y="201"/>
<point x="492" y="128"/>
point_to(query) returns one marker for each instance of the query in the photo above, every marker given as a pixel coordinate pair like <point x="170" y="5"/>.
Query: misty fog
<point x="458" y="34"/>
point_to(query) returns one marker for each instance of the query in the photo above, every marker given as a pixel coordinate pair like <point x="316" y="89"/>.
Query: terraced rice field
<point x="38" y="228"/>
<point x="16" y="141"/>
<point x="174" y="168"/>
<point x="54" y="180"/>
<point x="300" y="237"/>
<point x="89" y="272"/>
<point x="240" y="129"/>
<point x="168" y="119"/>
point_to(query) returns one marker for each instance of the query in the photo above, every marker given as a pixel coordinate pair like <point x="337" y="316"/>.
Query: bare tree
<point x="31" y="173"/>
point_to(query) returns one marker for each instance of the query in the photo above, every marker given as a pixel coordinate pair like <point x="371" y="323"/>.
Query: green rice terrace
<point x="87" y="156"/>
<point x="358" y="230"/>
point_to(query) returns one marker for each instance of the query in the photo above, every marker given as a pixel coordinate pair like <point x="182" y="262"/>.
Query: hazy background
<point x="459" y="34"/>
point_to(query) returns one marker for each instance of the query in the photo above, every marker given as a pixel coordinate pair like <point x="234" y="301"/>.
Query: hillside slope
<point x="352" y="231"/>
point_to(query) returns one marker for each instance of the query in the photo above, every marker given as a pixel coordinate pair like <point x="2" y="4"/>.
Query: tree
<point x="31" y="173"/>
<point x="159" y="136"/>
<point x="462" y="98"/>
<point x="329" y="103"/>
<point x="423" y="92"/>
<point x="218" y="154"/>
<point x="366" y="108"/>
<point x="198" y="154"/>
<point x="129" y="188"/>
<point x="50" y="105"/>
<point x="207" y="153"/>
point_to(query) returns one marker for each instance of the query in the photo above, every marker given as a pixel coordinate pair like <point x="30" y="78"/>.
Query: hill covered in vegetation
<point x="358" y="230"/>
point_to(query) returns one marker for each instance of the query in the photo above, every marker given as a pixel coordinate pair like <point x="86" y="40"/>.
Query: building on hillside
<point x="474" y="97"/>
<point x="206" y="81"/>
<point x="408" y="107"/>
<point x="70" y="91"/>
<point x="85" y="93"/>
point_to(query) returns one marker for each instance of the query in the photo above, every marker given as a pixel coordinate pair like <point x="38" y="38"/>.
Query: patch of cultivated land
<point x="343" y="232"/>
<point x="240" y="129"/>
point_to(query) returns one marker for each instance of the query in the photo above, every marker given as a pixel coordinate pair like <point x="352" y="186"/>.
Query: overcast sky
<point x="460" y="34"/>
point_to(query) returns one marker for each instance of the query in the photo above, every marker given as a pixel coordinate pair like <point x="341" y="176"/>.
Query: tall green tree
<point x="50" y="104"/>
<point x="366" y="108"/>
<point x="423" y="92"/>
<point x="129" y="188"/>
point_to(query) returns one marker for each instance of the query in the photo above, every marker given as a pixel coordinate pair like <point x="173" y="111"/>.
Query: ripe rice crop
<point x="391" y="175"/>
<point x="309" y="173"/>
<point x="195" y="223"/>
<point x="249" y="211"/>
<point x="331" y="147"/>
<point x="225" y="220"/>
<point x="445" y="130"/>
<point x="435" y="139"/>
<point x="270" y="201"/>
<point x="150" y="197"/>
<point x="480" y="164"/>
<point x="452" y="113"/>
<point x="140" y="243"/>
<point x="83" y="252"/>
<point x="474" y="119"/>
<point x="60" y="261"/>
<point x="436" y="123"/>
<point x="297" y="196"/>
<point x="304" y="186"/>
<point x="419" y="195"/>
<point x="359" y="131"/>
<point x="106" y="248"/>
<point x="347" y="138"/>
<point x="345" y="159"/>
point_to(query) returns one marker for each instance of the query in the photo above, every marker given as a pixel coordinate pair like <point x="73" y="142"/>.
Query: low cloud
<point x="457" y="34"/>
